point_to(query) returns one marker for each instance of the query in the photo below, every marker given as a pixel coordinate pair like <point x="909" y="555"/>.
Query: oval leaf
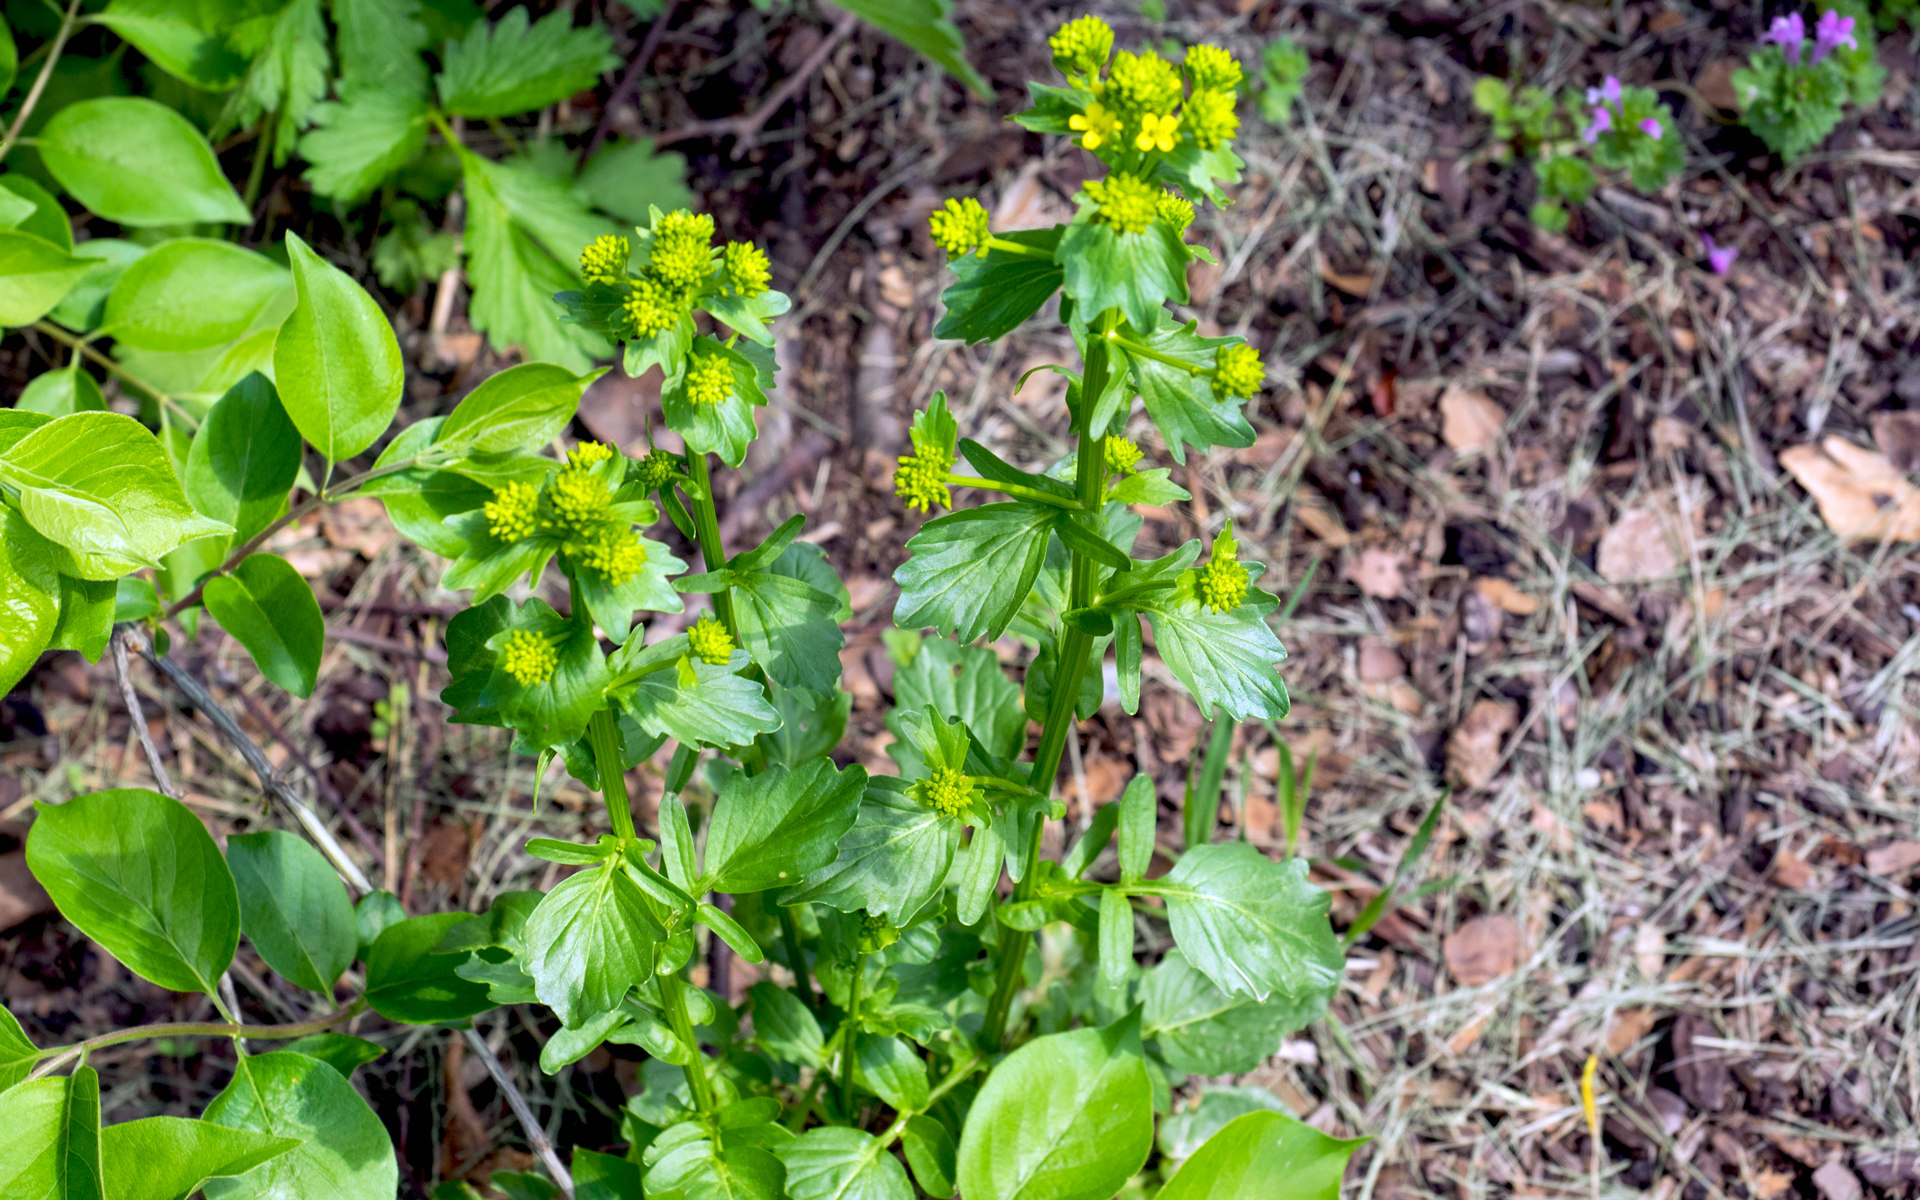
<point x="52" y="1146"/>
<point x="58" y="393"/>
<point x="521" y="406"/>
<point x="832" y="1163"/>
<point x="344" y="1151"/>
<point x="407" y="981"/>
<point x="336" y="359"/>
<point x="138" y="873"/>
<point x="138" y="162"/>
<point x="34" y="275"/>
<point x="1254" y="926"/>
<point x="162" y="1158"/>
<point x="1263" y="1156"/>
<point x="269" y="609"/>
<point x="192" y="294"/>
<point x="294" y="908"/>
<point x="244" y="459"/>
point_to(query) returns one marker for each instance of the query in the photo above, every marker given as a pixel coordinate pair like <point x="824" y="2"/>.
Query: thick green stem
<point x="675" y="994"/>
<point x="57" y="1055"/>
<point x="603" y="732"/>
<point x="797" y="958"/>
<point x="850" y="1029"/>
<point x="1075" y="648"/>
<point x="706" y="531"/>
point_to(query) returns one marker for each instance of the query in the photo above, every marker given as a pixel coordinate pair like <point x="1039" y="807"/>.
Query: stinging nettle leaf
<point x="293" y="908"/>
<point x="138" y="873"/>
<point x="344" y="1152"/>
<point x="268" y="608"/>
<point x="336" y="361"/>
<point x="511" y="67"/>
<point x="138" y="162"/>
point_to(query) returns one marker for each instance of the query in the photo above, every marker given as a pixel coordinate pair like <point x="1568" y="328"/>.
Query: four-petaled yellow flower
<point x="528" y="658"/>
<point x="710" y="641"/>
<point x="1098" y="124"/>
<point x="511" y="514"/>
<point x="1157" y="133"/>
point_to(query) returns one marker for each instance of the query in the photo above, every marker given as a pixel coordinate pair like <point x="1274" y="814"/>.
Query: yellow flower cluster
<point x="615" y="554"/>
<point x="653" y="308"/>
<point x="1082" y="47"/>
<point x="1237" y="370"/>
<point x="578" y="500"/>
<point x="1212" y="69"/>
<point x="921" y="481"/>
<point x="512" y="514"/>
<point x="710" y="641"/>
<point x="1142" y="102"/>
<point x="682" y="254"/>
<point x="1210" y="118"/>
<point x="587" y="454"/>
<point x="655" y="469"/>
<point x="746" y="268"/>
<point x="709" y="379"/>
<point x="1126" y="202"/>
<point x="1142" y="83"/>
<point x="1097" y="125"/>
<point x="605" y="259"/>
<point x="948" y="792"/>
<point x="1121" y="454"/>
<point x="528" y="658"/>
<point x="959" y="227"/>
<point x="1222" y="583"/>
<point x="1174" y="211"/>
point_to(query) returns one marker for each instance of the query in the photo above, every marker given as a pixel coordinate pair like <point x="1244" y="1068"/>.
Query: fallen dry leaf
<point x="358" y="523"/>
<point x="1352" y="285"/>
<point x="1791" y="871"/>
<point x="1469" y="420"/>
<point x="1628" y="1027"/>
<point x="1861" y="494"/>
<point x="21" y="896"/>
<point x="1635" y="549"/>
<point x="1506" y="597"/>
<point x="1378" y="572"/>
<point x="1482" y="950"/>
<point x="1319" y="518"/>
<point x="1379" y="661"/>
<point x="1469" y="1033"/>
<point x="1650" y="950"/>
<point x="1768" y="1185"/>
<point x="1837" y="1183"/>
<point x="1473" y="752"/>
<point x="1894" y="858"/>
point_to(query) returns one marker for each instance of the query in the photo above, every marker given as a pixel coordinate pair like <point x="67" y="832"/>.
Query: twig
<point x="56" y="1056"/>
<point x="40" y="81"/>
<point x="746" y="127"/>
<point x="139" y="717"/>
<point x="269" y="780"/>
<point x="536" y="1135"/>
<point x="629" y="79"/>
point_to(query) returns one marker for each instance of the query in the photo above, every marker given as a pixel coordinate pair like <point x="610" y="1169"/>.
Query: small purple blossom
<point x="1832" y="32"/>
<point x="1788" y="33"/>
<point x="1651" y="127"/>
<point x="1719" y="258"/>
<point x="1607" y="93"/>
<point x="1602" y="121"/>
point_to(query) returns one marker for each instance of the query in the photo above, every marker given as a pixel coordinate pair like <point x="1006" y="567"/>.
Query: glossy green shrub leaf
<point x="192" y="294"/>
<point x="34" y="275"/>
<point x="184" y="40"/>
<point x="926" y="26"/>
<point x="87" y="609"/>
<point x="29" y="597"/>
<point x="408" y="981"/>
<point x="245" y="458"/>
<point x="836" y="1163"/>
<point x="971" y="570"/>
<point x="371" y="916"/>
<point x="1205" y="1031"/>
<point x="995" y="295"/>
<point x="589" y="941"/>
<point x="1254" y="926"/>
<point x="930" y="1153"/>
<point x="138" y="873"/>
<point x="344" y="1151"/>
<point x="293" y="908"/>
<point x="269" y="609"/>
<point x="771" y="829"/>
<point x="1068" y="1116"/>
<point x="84" y="307"/>
<point x="18" y="1054"/>
<point x="59" y="393"/>
<point x="102" y="486"/>
<point x="341" y="1051"/>
<point x="781" y="1024"/>
<point x="511" y="67"/>
<point x="51" y="1150"/>
<point x="138" y="162"/>
<point x="521" y="406"/>
<point x="603" y="1176"/>
<point x="164" y="1158"/>
<point x="44" y="216"/>
<point x="336" y="361"/>
<point x="890" y="863"/>
<point x="1263" y="1156"/>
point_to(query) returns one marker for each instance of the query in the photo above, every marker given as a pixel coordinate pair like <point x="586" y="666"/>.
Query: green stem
<point x="262" y="148"/>
<point x="797" y="958"/>
<point x="1138" y="351"/>
<point x="1018" y="491"/>
<point x="961" y="1070"/>
<point x="1075" y="648"/>
<point x="706" y="531"/>
<point x="675" y="994"/>
<point x="847" y="1046"/>
<point x="603" y="731"/>
<point x="40" y="80"/>
<point x="57" y="1055"/>
<point x="1024" y="251"/>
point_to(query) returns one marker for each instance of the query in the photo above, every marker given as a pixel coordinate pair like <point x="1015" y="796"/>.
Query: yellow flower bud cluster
<point x="575" y="508"/>
<point x="1121" y="454"/>
<point x="1222" y="583"/>
<point x="605" y="259"/>
<point x="514" y="512"/>
<point x="959" y="227"/>
<point x="1126" y="202"/>
<point x="1238" y="371"/>
<point x="1142" y="103"/>
<point x="615" y="554"/>
<point x="948" y="792"/>
<point x="681" y="267"/>
<point x="709" y="379"/>
<point x="528" y="657"/>
<point x="655" y="469"/>
<point x="921" y="480"/>
<point x="745" y="268"/>
<point x="710" y="641"/>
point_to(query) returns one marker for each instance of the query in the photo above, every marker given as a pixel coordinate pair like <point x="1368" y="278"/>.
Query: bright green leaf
<point x="245" y="458"/>
<point x="293" y="908"/>
<point x="1136" y="273"/>
<point x="781" y="1024"/>
<point x="893" y="860"/>
<point x="590" y="940"/>
<point x="60" y="393"/>
<point x="893" y="1071"/>
<point x="927" y="27"/>
<point x="701" y="704"/>
<point x="186" y="40"/>
<point x="287" y="78"/>
<point x="84" y="307"/>
<point x="1254" y="926"/>
<point x="18" y="1053"/>
<point x="29" y="597"/>
<point x="509" y="67"/>
<point x="345" y="1152"/>
<point x="1226" y="659"/>
<point x="163" y="1158"/>
<point x="627" y="179"/>
<point x="336" y="360"/>
<point x="1263" y="1156"/>
<point x="138" y="162"/>
<point x="995" y="295"/>
<point x="269" y="609"/>
<point x="789" y="628"/>
<point x="523" y="406"/>
<point x="34" y="275"/>
<point x="341" y="1051"/>
<point x="836" y="1163"/>
<point x="775" y="827"/>
<point x="358" y="142"/>
<point x="51" y="1150"/>
<point x="971" y="570"/>
<point x="192" y="294"/>
<point x="44" y="218"/>
<point x="1184" y="405"/>
<point x="407" y="981"/>
<point x="1206" y="1031"/>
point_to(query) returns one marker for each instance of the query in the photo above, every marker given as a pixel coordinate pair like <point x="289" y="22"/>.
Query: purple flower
<point x="1832" y="32"/>
<point x="1788" y="33"/>
<point x="1602" y="121"/>
<point x="1719" y="258"/>
<point x="1651" y="128"/>
<point x="1607" y="93"/>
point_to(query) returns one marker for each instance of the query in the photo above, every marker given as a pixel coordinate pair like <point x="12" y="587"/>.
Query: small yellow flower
<point x="948" y="792"/>
<point x="1125" y="202"/>
<point x="1210" y="117"/>
<point x="578" y="500"/>
<point x="710" y="641"/>
<point x="1212" y="68"/>
<point x="1098" y="124"/>
<point x="653" y="308"/>
<point x="588" y="453"/>
<point x="959" y="227"/>
<point x="710" y="379"/>
<point x="528" y="658"/>
<point x="1157" y="133"/>
<point x="605" y="259"/>
<point x="1082" y="47"/>
<point x="746" y="268"/>
<point x="616" y="554"/>
<point x="511" y="513"/>
<point x="921" y="481"/>
<point x="1121" y="454"/>
<point x="1174" y="211"/>
<point x="1222" y="583"/>
<point x="1237" y="370"/>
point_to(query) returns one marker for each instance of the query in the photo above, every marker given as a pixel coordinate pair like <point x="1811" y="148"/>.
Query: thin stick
<point x="237" y="738"/>
<point x="746" y="127"/>
<point x="139" y="717"/>
<point x="40" y="81"/>
<point x="630" y="78"/>
<point x="58" y="1055"/>
<point x="542" y="1148"/>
